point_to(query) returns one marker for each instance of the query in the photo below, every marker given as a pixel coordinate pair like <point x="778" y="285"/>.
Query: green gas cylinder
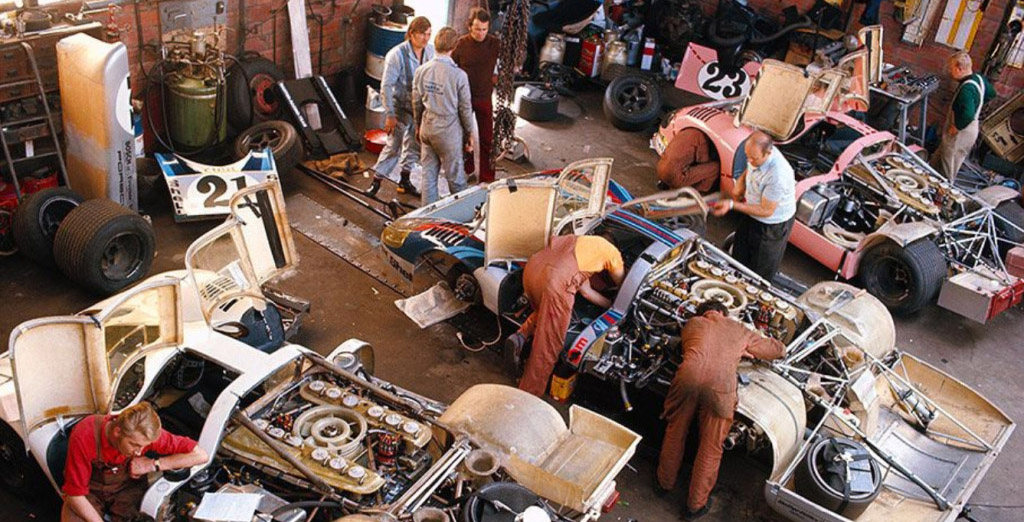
<point x="196" y="111"/>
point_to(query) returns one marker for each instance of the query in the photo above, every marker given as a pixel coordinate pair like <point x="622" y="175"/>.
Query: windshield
<point x="145" y="319"/>
<point x="219" y="272"/>
<point x="582" y="187"/>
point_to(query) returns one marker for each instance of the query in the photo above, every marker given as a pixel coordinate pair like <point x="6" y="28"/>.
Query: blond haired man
<point x="106" y="467"/>
<point x="443" y="113"/>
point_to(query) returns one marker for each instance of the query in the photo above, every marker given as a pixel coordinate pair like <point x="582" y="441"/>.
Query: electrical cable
<point x="484" y="344"/>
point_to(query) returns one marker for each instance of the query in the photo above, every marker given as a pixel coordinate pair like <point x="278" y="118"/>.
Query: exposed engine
<point x="327" y="443"/>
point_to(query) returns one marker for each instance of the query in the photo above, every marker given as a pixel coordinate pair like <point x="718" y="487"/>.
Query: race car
<point x="315" y="438"/>
<point x="851" y="426"/>
<point x="879" y="212"/>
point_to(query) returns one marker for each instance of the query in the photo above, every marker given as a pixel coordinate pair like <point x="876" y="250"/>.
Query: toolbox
<point x="1015" y="261"/>
<point x="978" y="297"/>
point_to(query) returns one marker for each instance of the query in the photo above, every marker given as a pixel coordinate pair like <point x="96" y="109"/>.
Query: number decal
<point x="216" y="187"/>
<point x="719" y="84"/>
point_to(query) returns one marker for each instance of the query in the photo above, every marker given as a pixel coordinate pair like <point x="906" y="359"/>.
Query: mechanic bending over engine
<point x="688" y="162"/>
<point x="443" y="112"/>
<point x="705" y="385"/>
<point x="551" y="279"/>
<point x="400" y="64"/>
<point x="107" y="463"/>
<point x="961" y="128"/>
<point x="766" y="194"/>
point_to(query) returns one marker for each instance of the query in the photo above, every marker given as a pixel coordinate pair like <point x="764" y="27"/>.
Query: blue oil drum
<point x="382" y="37"/>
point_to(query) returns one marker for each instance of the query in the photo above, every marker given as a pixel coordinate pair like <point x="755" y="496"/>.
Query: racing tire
<point x="104" y="246"/>
<point x="251" y="97"/>
<point x="280" y="136"/>
<point x="823" y="486"/>
<point x="537" y="104"/>
<point x="1010" y="211"/>
<point x="37" y="219"/>
<point x="632" y="102"/>
<point x="904" y="279"/>
<point x="19" y="472"/>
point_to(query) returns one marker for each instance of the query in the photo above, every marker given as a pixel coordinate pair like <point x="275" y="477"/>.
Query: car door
<point x="251" y="247"/>
<point x="582" y="193"/>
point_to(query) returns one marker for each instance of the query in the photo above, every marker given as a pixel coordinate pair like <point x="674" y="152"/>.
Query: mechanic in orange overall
<point x="688" y="162"/>
<point x="705" y="384"/>
<point x="106" y="467"/>
<point x="551" y="279"/>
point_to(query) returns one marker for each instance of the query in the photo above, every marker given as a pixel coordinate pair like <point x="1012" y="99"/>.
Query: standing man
<point x="705" y="384"/>
<point x="477" y="54"/>
<point x="961" y="128"/>
<point x="106" y="467"/>
<point x="444" y="117"/>
<point x="769" y="188"/>
<point x="400" y="65"/>
<point x="551" y="279"/>
<point x="688" y="162"/>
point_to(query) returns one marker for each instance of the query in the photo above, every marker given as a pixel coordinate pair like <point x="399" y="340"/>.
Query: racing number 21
<point x="216" y="187"/>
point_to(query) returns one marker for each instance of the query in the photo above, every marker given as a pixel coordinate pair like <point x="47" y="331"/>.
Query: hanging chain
<point x="510" y="59"/>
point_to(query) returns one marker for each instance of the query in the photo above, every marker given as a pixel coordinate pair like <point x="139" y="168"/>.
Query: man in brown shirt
<point x="477" y="54"/>
<point x="688" y="162"/>
<point x="705" y="384"/>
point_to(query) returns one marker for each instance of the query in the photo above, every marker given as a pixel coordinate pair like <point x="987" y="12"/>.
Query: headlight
<point x="394" y="237"/>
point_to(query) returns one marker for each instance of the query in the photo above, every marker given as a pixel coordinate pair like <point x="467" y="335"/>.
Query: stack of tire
<point x="99" y="244"/>
<point x="254" y="112"/>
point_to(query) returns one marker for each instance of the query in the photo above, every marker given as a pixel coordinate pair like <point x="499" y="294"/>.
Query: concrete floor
<point x="347" y="303"/>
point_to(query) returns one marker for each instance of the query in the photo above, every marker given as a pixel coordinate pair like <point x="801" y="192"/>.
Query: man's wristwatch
<point x="156" y="464"/>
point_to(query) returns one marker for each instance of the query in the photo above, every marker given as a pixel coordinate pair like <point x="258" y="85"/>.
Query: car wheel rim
<point x="894" y="279"/>
<point x="634" y="98"/>
<point x="122" y="258"/>
<point x="52" y="213"/>
<point x="261" y="88"/>
<point x="262" y="140"/>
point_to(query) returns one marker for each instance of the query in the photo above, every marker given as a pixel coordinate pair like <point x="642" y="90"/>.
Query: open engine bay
<point x="316" y="437"/>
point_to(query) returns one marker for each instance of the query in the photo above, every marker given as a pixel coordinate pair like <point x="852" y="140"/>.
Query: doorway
<point x="435" y="10"/>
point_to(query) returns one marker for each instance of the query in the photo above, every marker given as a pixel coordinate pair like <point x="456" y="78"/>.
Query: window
<point x="435" y="10"/>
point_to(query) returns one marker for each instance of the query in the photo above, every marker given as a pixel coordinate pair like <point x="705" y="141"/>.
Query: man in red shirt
<point x="105" y="472"/>
<point x="477" y="54"/>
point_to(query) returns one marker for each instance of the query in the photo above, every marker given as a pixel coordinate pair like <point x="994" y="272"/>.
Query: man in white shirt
<point x="766" y="195"/>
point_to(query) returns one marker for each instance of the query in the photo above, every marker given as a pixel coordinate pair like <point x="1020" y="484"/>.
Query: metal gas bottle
<point x="196" y="111"/>
<point x="554" y="49"/>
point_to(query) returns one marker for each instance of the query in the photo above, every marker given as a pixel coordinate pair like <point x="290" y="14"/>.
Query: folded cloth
<point x="433" y="306"/>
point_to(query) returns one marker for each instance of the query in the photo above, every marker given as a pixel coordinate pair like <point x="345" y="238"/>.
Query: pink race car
<point x="879" y="212"/>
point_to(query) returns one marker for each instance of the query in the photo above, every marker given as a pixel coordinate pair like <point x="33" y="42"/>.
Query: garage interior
<point x="343" y="271"/>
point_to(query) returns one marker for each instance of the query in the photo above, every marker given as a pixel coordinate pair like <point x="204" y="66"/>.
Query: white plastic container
<point x="96" y="104"/>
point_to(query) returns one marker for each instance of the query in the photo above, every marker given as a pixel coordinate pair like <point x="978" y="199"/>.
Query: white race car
<point x="316" y="438"/>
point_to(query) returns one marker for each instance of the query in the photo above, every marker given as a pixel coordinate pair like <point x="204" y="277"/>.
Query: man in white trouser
<point x="961" y="128"/>
<point x="443" y="112"/>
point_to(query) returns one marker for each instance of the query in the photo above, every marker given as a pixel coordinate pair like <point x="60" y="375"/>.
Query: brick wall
<point x="263" y="17"/>
<point x="930" y="56"/>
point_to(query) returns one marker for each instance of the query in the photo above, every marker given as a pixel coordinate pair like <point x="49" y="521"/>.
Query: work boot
<point x="694" y="514"/>
<point x="405" y="186"/>
<point x="513" y="351"/>
<point x="374" y="187"/>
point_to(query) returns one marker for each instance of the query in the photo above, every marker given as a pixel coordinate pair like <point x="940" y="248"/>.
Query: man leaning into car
<point x="107" y="463"/>
<point x="705" y="386"/>
<point x="766" y="195"/>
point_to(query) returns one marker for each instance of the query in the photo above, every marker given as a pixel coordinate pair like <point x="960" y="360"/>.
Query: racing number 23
<point x="216" y="187"/>
<point x="718" y="81"/>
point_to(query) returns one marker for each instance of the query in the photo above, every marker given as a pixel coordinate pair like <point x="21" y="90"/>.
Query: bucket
<point x="562" y="386"/>
<point x="375" y="114"/>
